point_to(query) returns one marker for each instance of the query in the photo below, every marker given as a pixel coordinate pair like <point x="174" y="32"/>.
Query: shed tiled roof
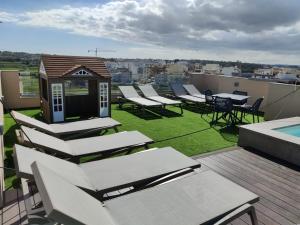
<point x="58" y="65"/>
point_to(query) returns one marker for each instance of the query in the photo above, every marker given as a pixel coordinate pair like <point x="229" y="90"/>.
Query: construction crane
<point x="96" y="51"/>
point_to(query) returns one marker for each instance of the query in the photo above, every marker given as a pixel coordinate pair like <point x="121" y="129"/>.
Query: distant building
<point x="166" y="79"/>
<point x="230" y="71"/>
<point x="121" y="76"/>
<point x="211" y="69"/>
<point x="264" y="71"/>
<point x="176" y="68"/>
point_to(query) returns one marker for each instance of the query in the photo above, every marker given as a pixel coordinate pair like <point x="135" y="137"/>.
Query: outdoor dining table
<point x="233" y="97"/>
<point x="237" y="100"/>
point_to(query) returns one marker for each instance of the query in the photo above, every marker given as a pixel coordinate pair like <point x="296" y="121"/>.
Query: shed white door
<point x="103" y="97"/>
<point x="57" y="102"/>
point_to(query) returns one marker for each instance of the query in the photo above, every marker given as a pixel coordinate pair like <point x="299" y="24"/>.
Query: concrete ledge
<point x="263" y="137"/>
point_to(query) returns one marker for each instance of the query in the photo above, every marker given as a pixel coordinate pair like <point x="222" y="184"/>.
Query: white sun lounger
<point x="203" y="198"/>
<point x="105" y="145"/>
<point x="131" y="95"/>
<point x="193" y="91"/>
<point x="71" y="129"/>
<point x="149" y="92"/>
<point x="109" y="174"/>
<point x="180" y="92"/>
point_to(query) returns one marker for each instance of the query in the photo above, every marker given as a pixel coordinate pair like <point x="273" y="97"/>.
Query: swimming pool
<point x="291" y="130"/>
<point x="277" y="138"/>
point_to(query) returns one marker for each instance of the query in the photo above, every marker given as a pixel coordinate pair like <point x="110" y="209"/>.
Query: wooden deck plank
<point x="221" y="170"/>
<point x="258" y="163"/>
<point x="251" y="185"/>
<point x="266" y="177"/>
<point x="276" y="184"/>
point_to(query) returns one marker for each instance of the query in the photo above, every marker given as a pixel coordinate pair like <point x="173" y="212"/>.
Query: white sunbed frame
<point x="101" y="146"/>
<point x="70" y="130"/>
<point x="150" y="93"/>
<point x="131" y="95"/>
<point x="202" y="198"/>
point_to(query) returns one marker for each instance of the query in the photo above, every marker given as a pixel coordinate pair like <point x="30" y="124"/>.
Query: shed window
<point x="28" y="84"/>
<point x="44" y="89"/>
<point x="76" y="87"/>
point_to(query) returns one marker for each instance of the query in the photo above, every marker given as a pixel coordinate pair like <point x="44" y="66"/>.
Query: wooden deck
<point x="277" y="185"/>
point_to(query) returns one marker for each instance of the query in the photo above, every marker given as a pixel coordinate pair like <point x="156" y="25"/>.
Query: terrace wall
<point x="280" y="100"/>
<point x="11" y="91"/>
<point x="2" y="184"/>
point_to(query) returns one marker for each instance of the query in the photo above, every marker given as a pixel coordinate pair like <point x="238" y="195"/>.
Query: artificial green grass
<point x="189" y="133"/>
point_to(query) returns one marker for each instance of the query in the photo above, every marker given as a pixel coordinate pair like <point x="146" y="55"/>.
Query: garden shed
<point x="74" y="86"/>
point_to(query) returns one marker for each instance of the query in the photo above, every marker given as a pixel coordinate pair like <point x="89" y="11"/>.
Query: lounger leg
<point x="253" y="216"/>
<point x="116" y="129"/>
<point x="181" y="110"/>
<point x="247" y="208"/>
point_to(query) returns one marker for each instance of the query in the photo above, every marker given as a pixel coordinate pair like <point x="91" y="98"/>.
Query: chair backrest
<point x="208" y="92"/>
<point x="72" y="172"/>
<point x="148" y="90"/>
<point x="31" y="122"/>
<point x="236" y="92"/>
<point x="66" y="203"/>
<point x="46" y="141"/>
<point x="208" y="96"/>
<point x="129" y="92"/>
<point x="257" y="104"/>
<point x="191" y="89"/>
<point x="178" y="89"/>
<point x="223" y="104"/>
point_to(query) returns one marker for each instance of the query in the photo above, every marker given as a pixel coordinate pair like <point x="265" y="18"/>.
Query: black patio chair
<point x="251" y="109"/>
<point x="209" y="101"/>
<point x="223" y="106"/>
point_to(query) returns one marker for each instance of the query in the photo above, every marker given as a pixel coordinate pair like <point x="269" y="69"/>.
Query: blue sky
<point x="191" y="29"/>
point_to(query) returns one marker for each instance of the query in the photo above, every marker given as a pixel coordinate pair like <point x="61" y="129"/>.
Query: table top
<point x="232" y="96"/>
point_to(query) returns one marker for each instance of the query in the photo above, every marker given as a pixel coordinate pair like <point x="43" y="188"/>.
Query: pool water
<point x="291" y="130"/>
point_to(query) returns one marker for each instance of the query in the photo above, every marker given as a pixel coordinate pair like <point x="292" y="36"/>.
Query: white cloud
<point x="270" y="26"/>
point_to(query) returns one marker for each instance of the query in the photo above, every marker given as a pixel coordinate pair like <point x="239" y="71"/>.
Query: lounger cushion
<point x="144" y="101"/>
<point x="192" y="90"/>
<point x="48" y="141"/>
<point x="129" y="92"/>
<point x="29" y="121"/>
<point x="108" y="173"/>
<point x="66" y="203"/>
<point x="192" y="98"/>
<point x="86" y="146"/>
<point x="196" y="199"/>
<point x="84" y="125"/>
<point x="136" y="167"/>
<point x="164" y="100"/>
<point x="24" y="157"/>
<point x="66" y="128"/>
<point x="148" y="90"/>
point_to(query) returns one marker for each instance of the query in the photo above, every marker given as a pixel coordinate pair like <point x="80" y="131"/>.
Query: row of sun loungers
<point x="152" y="99"/>
<point x="69" y="130"/>
<point x="185" y="93"/>
<point x="201" y="198"/>
<point x="75" y="149"/>
<point x="156" y="186"/>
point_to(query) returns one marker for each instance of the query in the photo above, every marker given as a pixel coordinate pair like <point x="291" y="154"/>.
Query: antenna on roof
<point x="97" y="50"/>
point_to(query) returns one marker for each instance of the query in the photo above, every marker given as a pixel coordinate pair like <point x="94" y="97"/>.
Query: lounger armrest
<point x="247" y="208"/>
<point x="172" y="96"/>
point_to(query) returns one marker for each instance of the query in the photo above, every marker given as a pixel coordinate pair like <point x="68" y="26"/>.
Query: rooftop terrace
<point x="275" y="183"/>
<point x="189" y="133"/>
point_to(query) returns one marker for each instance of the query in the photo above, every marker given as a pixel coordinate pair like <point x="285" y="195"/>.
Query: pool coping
<point x="263" y="137"/>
